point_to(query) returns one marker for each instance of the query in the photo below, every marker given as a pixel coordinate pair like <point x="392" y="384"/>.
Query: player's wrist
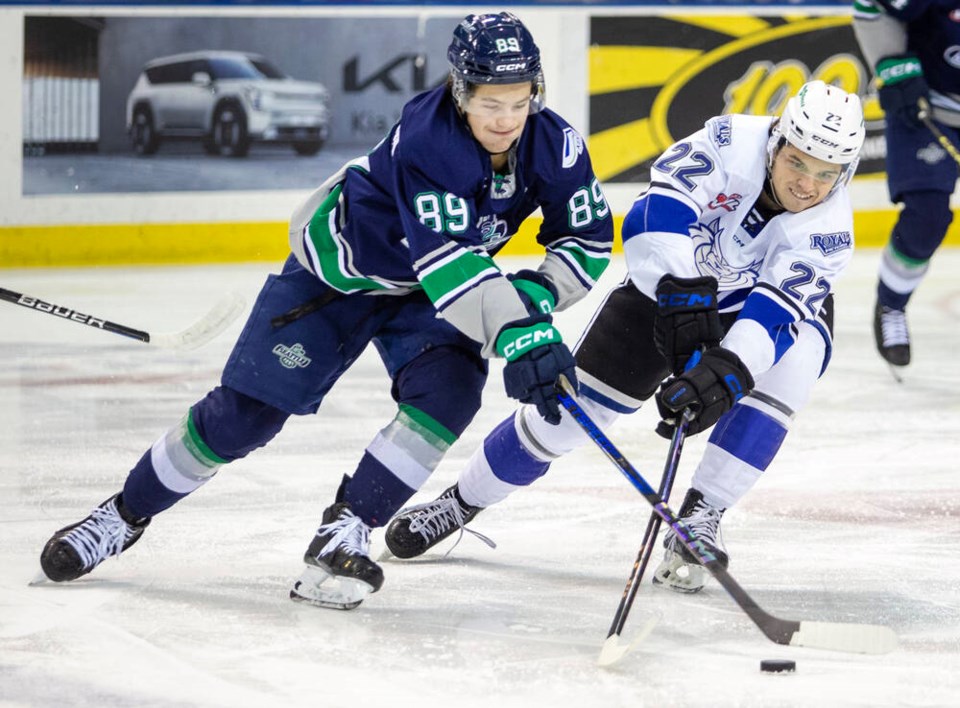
<point x="522" y="336"/>
<point x="896" y="69"/>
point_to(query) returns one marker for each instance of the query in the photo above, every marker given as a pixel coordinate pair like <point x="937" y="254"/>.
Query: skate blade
<point x="319" y="588"/>
<point x="40" y="579"/>
<point x="680" y="576"/>
<point x="896" y="372"/>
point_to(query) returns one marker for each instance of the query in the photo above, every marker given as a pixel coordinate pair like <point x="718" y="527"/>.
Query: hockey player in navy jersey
<point x="395" y="249"/>
<point x="733" y="250"/>
<point x="914" y="47"/>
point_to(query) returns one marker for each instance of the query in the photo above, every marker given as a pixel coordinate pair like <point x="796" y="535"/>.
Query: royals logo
<point x="831" y="243"/>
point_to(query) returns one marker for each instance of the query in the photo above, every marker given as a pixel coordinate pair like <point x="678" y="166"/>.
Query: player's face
<point x="801" y="181"/>
<point x="496" y="114"/>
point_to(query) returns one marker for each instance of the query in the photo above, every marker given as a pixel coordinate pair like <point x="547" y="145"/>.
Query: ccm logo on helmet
<point x="519" y="66"/>
<point x="824" y="141"/>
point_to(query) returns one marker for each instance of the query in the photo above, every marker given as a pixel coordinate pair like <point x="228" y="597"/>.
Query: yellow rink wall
<point x="116" y="244"/>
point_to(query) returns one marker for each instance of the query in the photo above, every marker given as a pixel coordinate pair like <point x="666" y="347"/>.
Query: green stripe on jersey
<point x="592" y="264"/>
<point x="330" y="250"/>
<point x="865" y="7"/>
<point x="450" y="276"/>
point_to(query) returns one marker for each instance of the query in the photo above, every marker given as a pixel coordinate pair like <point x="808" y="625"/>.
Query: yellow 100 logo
<point x="765" y="87"/>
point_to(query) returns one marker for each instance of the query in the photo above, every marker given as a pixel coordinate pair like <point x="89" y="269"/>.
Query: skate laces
<point x="893" y="327"/>
<point x="102" y="535"/>
<point x="435" y="517"/>
<point x="349" y="533"/>
<point x="704" y="521"/>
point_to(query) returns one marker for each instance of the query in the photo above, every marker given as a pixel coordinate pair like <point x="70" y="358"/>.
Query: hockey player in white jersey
<point x="733" y="251"/>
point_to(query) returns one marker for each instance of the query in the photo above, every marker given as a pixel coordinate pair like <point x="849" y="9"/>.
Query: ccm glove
<point x="709" y="390"/>
<point x="901" y="86"/>
<point x="539" y="295"/>
<point x="536" y="357"/>
<point x="687" y="319"/>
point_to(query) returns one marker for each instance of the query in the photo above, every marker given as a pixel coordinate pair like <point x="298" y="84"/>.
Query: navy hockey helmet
<point x="494" y="49"/>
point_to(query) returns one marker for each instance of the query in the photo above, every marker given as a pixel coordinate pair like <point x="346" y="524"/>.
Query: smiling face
<point x="496" y="114"/>
<point x="800" y="181"/>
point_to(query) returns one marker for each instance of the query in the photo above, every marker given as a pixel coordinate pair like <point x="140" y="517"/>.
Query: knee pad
<point x="232" y="424"/>
<point x="789" y="383"/>
<point x="547" y="442"/>
<point x="446" y="384"/>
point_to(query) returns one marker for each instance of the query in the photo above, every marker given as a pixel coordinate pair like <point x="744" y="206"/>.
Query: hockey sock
<point x="499" y="467"/>
<point x="396" y="463"/>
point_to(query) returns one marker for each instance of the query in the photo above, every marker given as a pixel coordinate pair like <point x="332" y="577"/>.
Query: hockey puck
<point x="778" y="666"/>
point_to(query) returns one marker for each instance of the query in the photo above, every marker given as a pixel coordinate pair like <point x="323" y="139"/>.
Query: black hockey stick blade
<point x="854" y="638"/>
<point x="224" y="312"/>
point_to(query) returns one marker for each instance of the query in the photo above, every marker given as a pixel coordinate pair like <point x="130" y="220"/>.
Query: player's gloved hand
<point x="535" y="289"/>
<point x="709" y="390"/>
<point x="686" y="319"/>
<point x="536" y="357"/>
<point x="901" y="86"/>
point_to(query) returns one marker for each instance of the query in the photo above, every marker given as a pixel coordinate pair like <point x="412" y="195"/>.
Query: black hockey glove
<point x="539" y="295"/>
<point x="536" y="357"/>
<point x="709" y="390"/>
<point x="687" y="319"/>
<point x="901" y="86"/>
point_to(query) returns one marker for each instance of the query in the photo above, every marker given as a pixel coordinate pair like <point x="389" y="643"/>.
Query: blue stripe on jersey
<point x="730" y="301"/>
<point x="773" y="317"/>
<point x="656" y="212"/>
<point x="749" y="435"/>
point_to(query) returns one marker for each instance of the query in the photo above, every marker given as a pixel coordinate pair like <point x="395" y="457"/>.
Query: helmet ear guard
<point x="494" y="49"/>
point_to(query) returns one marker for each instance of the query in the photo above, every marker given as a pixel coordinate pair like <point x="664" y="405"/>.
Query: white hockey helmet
<point x="823" y="121"/>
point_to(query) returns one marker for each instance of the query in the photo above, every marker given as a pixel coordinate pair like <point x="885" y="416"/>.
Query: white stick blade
<point x="837" y="636"/>
<point x="206" y="328"/>
<point x="613" y="649"/>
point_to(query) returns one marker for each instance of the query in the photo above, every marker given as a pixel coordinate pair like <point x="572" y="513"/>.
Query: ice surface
<point x="858" y="520"/>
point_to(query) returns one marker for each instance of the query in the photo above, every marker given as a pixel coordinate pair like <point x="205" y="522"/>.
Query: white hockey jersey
<point x="700" y="217"/>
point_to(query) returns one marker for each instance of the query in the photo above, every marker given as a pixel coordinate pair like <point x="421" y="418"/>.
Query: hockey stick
<point x="926" y="115"/>
<point x="836" y="636"/>
<point x="197" y="334"/>
<point x="613" y="650"/>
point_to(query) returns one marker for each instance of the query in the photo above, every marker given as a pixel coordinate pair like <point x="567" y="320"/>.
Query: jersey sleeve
<point x="656" y="230"/>
<point x="577" y="229"/>
<point x="794" y="281"/>
<point x="879" y="33"/>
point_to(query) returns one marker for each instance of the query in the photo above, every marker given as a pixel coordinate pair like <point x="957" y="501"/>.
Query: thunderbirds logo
<point x="292" y="357"/>
<point x="493" y="230"/>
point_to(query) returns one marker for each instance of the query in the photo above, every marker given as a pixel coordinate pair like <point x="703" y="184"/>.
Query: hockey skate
<point x="418" y="528"/>
<point x="679" y="570"/>
<point x="339" y="572"/>
<point x="77" y="549"/>
<point x="891" y="335"/>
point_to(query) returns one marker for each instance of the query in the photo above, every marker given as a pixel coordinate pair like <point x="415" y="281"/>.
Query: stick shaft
<point x="67" y="313"/>
<point x="927" y="117"/>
